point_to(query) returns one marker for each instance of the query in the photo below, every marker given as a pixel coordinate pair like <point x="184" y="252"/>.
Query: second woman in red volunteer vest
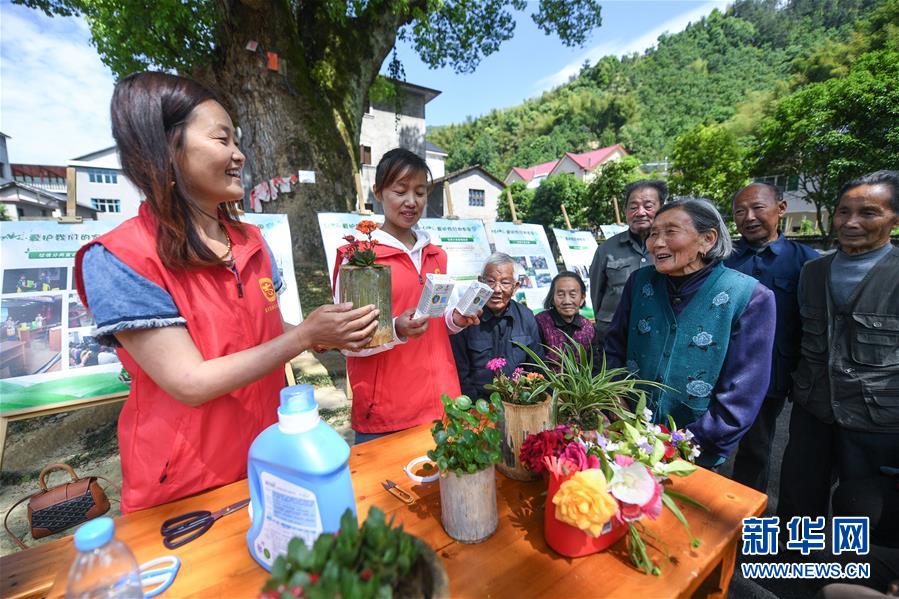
<point x="398" y="385"/>
<point x="190" y="294"/>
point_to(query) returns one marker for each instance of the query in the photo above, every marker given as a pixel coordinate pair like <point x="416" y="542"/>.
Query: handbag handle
<point x="51" y="468"/>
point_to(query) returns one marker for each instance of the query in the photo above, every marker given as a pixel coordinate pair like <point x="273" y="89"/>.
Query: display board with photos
<point x="49" y="354"/>
<point x="577" y="249"/>
<point x="528" y="245"/>
<point x="464" y="240"/>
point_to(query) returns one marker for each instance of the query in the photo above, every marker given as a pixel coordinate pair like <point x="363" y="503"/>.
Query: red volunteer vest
<point x="170" y="450"/>
<point x="401" y="388"/>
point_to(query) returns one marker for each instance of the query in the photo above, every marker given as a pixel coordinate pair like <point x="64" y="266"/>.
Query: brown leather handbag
<point x="54" y="509"/>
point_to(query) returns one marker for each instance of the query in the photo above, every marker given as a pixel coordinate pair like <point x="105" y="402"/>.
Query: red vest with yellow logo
<point x="401" y="387"/>
<point x="168" y="449"/>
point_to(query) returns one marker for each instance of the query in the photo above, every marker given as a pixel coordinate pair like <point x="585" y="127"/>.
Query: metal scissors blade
<point x="231" y="508"/>
<point x="392" y="488"/>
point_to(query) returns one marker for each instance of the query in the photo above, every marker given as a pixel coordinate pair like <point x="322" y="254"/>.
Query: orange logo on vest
<point x="268" y="289"/>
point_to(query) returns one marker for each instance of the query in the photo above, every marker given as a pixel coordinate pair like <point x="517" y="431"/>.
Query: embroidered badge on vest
<point x="268" y="289"/>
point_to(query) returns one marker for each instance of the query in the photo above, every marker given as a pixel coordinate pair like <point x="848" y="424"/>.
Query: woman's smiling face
<point x="675" y="244"/>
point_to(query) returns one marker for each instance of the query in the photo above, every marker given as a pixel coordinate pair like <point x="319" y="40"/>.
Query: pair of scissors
<point x="185" y="528"/>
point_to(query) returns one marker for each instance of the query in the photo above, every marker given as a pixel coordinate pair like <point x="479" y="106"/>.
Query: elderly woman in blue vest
<point x="702" y="329"/>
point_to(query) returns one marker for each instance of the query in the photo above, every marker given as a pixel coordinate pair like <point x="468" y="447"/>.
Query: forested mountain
<point x="726" y="67"/>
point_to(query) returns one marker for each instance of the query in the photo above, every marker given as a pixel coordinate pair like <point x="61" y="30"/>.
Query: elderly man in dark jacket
<point x="845" y="417"/>
<point x="775" y="261"/>
<point x="503" y="323"/>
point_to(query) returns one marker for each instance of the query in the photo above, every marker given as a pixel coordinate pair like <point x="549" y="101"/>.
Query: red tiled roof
<point x="535" y="171"/>
<point x="590" y="160"/>
<point x="37" y="170"/>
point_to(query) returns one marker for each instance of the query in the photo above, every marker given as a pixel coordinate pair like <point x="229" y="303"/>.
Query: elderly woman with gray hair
<point x="703" y="330"/>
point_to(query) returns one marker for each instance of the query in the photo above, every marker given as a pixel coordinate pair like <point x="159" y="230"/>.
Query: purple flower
<point x="677" y="437"/>
<point x="496" y="364"/>
<point x="646" y="447"/>
<point x="601" y="441"/>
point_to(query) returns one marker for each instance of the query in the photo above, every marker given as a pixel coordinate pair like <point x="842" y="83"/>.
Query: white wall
<point x="474" y="180"/>
<point x="436" y="162"/>
<point x="123" y="190"/>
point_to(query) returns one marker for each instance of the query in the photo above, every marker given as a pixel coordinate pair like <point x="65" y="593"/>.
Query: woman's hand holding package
<point x="338" y="326"/>
<point x="462" y="321"/>
<point x="408" y="327"/>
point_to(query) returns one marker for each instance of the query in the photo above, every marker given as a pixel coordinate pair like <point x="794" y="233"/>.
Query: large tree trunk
<point x="305" y="119"/>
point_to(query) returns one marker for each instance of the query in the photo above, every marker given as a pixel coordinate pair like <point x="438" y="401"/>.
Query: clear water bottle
<point x="104" y="566"/>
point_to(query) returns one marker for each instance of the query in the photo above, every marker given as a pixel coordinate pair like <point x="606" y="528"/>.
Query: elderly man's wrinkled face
<point x="500" y="278"/>
<point x="641" y="208"/>
<point x="863" y="218"/>
<point x="757" y="214"/>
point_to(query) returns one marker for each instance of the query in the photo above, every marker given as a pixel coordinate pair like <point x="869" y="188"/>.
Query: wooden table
<point x="515" y="561"/>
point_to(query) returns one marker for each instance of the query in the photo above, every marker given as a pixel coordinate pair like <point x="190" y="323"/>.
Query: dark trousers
<point x="818" y="453"/>
<point x="752" y="464"/>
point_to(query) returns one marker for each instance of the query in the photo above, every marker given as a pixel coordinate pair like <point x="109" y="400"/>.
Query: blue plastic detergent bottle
<point x="298" y="476"/>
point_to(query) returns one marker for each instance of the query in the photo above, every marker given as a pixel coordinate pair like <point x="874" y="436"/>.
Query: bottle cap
<point x="297" y="399"/>
<point x="298" y="412"/>
<point x="94" y="534"/>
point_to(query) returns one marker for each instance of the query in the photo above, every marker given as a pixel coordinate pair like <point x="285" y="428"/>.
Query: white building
<point x="474" y="192"/>
<point x="435" y="156"/>
<point x="583" y="166"/>
<point x="383" y="128"/>
<point x="99" y="183"/>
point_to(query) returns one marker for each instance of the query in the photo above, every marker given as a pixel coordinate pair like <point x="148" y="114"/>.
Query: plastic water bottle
<point x="104" y="566"/>
<point x="299" y="478"/>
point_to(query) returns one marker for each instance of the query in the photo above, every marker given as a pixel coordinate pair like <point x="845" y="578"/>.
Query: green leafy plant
<point x="582" y="395"/>
<point x="371" y="561"/>
<point x="467" y="439"/>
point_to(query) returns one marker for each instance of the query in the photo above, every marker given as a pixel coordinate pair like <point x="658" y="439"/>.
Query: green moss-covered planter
<point x="364" y="285"/>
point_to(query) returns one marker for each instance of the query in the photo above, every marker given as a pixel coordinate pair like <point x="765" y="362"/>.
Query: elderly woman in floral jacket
<point x="703" y="330"/>
<point x="561" y="315"/>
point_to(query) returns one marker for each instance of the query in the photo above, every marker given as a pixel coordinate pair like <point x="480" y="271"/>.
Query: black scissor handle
<point x="187" y="532"/>
<point x="173" y="525"/>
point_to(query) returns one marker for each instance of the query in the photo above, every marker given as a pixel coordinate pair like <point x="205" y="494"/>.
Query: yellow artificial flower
<point x="584" y="501"/>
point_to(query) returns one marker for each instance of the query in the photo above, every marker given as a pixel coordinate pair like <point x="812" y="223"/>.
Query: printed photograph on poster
<point x="32" y="335"/>
<point x="26" y="280"/>
<point x="79" y="316"/>
<point x="86" y="350"/>
<point x="528" y="245"/>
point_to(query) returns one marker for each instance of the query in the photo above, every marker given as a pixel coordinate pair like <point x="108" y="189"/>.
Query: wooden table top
<point x="515" y="561"/>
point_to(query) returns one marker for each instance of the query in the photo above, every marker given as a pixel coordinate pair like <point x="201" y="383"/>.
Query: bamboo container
<point x="365" y="285"/>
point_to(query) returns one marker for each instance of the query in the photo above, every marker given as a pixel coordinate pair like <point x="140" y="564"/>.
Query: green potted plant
<point x="364" y="282"/>
<point x="376" y="560"/>
<point x="527" y="409"/>
<point x="584" y="397"/>
<point x="466" y="451"/>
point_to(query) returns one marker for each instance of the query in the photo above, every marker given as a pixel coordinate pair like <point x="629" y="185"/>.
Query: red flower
<point x="349" y="238"/>
<point x="366" y="574"/>
<point x="670" y="449"/>
<point x="366" y="226"/>
<point x="577" y="459"/>
<point x="543" y="444"/>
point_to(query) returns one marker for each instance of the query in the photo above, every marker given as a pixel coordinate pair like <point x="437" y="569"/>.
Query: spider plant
<point x="584" y="397"/>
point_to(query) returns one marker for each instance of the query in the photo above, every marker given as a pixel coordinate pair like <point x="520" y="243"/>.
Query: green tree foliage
<point x="707" y="162"/>
<point x="546" y="207"/>
<point x="606" y="188"/>
<point x="835" y="130"/>
<point x="521" y="196"/>
<point x="308" y="113"/>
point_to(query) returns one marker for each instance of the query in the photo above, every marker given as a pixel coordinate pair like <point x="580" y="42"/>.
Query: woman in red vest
<point x="189" y="294"/>
<point x="398" y="385"/>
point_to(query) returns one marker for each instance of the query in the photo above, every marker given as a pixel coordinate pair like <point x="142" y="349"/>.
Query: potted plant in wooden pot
<point x="527" y="409"/>
<point x="363" y="281"/>
<point x="376" y="560"/>
<point x="467" y="449"/>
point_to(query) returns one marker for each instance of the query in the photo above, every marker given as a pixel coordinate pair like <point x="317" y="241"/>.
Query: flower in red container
<point x="544" y="444"/>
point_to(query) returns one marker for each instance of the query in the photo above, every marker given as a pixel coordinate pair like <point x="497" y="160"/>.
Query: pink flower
<point x="576" y="457"/>
<point x="637" y="491"/>
<point x="496" y="364"/>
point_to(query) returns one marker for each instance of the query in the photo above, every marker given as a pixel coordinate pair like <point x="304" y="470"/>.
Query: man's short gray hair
<point x="705" y="217"/>
<point x="499" y="259"/>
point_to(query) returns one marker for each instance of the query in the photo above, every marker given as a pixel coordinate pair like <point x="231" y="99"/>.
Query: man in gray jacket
<point x="845" y="418"/>
<point x="624" y="253"/>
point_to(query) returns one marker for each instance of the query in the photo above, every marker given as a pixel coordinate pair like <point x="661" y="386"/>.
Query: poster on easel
<point x="49" y="354"/>
<point x="529" y="247"/>
<point x="577" y="249"/>
<point x="463" y="240"/>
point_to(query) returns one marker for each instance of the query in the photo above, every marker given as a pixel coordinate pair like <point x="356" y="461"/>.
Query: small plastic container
<point x="104" y="567"/>
<point x="299" y="478"/>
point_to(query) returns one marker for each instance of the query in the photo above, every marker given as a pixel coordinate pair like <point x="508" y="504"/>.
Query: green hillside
<point x="726" y="67"/>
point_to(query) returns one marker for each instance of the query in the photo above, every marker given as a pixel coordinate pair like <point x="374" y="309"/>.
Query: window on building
<point x="365" y="155"/>
<point x="102" y="175"/>
<point x="475" y="197"/>
<point x="106" y="205"/>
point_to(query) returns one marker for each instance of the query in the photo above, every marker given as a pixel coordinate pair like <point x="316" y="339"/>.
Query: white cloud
<point x="55" y="91"/>
<point x="620" y="46"/>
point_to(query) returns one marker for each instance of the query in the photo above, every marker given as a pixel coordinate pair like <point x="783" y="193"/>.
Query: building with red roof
<point x="583" y="166"/>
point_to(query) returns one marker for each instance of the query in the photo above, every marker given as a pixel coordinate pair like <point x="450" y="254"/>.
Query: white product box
<point x="473" y="298"/>
<point x="435" y="296"/>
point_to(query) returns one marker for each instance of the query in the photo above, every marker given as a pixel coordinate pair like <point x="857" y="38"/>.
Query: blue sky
<point x="54" y="91"/>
